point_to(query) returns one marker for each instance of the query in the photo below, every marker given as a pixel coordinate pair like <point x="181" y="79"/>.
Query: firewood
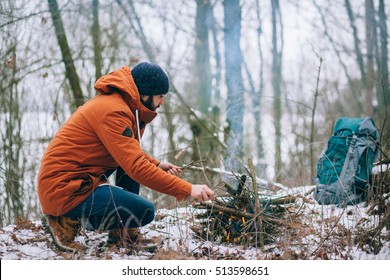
<point x="237" y="212"/>
<point x="242" y="215"/>
<point x="282" y="200"/>
<point x="258" y="210"/>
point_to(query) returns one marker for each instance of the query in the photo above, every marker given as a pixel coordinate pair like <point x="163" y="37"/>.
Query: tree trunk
<point x="97" y="49"/>
<point x="70" y="69"/>
<point x="384" y="93"/>
<point x="202" y="77"/>
<point x="216" y="91"/>
<point x="261" y="165"/>
<point x="370" y="42"/>
<point x="11" y="156"/>
<point x="204" y="146"/>
<point x="356" y="40"/>
<point x="171" y="130"/>
<point x="277" y="48"/>
<point x="234" y="82"/>
<point x="218" y="64"/>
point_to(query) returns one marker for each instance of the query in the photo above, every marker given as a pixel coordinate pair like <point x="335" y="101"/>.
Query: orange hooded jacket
<point x="101" y="135"/>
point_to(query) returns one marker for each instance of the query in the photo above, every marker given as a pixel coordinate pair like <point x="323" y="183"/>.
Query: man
<point x="103" y="136"/>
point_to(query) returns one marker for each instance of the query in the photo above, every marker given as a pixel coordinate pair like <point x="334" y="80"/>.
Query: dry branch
<point x="237" y="212"/>
<point x="242" y="216"/>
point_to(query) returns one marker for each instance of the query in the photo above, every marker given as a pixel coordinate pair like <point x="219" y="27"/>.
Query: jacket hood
<point x="122" y="81"/>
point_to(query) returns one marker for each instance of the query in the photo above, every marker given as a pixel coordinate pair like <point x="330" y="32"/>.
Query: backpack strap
<point x="348" y="158"/>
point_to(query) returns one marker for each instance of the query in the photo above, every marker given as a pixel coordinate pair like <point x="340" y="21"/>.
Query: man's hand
<point x="202" y="192"/>
<point x="170" y="168"/>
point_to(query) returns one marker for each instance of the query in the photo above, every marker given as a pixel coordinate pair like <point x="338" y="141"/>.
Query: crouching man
<point x="101" y="137"/>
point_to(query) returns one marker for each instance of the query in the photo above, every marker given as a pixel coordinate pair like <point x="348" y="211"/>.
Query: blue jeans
<point x="109" y="207"/>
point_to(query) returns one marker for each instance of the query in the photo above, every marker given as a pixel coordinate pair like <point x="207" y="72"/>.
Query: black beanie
<point x="150" y="79"/>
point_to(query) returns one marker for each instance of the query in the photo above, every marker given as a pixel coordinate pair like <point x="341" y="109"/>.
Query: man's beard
<point x="149" y="103"/>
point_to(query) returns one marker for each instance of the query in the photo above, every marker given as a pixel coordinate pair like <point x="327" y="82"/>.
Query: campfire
<point x="242" y="216"/>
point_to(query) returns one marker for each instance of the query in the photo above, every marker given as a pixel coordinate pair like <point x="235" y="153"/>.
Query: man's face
<point x="152" y="102"/>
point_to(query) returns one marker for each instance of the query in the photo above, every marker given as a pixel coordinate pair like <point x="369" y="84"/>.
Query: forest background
<point x="258" y="80"/>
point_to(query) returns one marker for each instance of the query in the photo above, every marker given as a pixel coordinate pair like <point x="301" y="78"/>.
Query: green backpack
<point x="344" y="169"/>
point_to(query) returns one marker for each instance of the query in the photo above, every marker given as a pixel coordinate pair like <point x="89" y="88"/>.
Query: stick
<point x="258" y="210"/>
<point x="282" y="200"/>
<point x="246" y="215"/>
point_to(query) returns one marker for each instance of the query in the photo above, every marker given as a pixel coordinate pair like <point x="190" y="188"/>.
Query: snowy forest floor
<point x="311" y="231"/>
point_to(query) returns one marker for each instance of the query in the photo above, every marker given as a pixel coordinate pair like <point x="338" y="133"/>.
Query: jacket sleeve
<point x="152" y="159"/>
<point x="128" y="154"/>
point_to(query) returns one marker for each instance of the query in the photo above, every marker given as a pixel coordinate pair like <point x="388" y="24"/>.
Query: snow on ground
<point x="312" y="232"/>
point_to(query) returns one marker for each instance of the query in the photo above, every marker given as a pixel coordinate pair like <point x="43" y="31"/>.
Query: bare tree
<point x="384" y="92"/>
<point x="95" y="30"/>
<point x="201" y="84"/>
<point x="338" y="50"/>
<point x="12" y="162"/>
<point x="136" y="26"/>
<point x="261" y="164"/>
<point x="202" y="79"/>
<point x="356" y="40"/>
<point x="370" y="43"/>
<point x="70" y="69"/>
<point x="277" y="48"/>
<point x="217" y="56"/>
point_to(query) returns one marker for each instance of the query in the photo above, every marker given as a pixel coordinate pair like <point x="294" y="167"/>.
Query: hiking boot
<point x="63" y="231"/>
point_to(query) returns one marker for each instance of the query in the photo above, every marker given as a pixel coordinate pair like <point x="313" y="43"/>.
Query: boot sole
<point x="48" y="229"/>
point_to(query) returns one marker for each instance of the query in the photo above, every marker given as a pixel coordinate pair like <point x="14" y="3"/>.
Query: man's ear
<point x="146" y="98"/>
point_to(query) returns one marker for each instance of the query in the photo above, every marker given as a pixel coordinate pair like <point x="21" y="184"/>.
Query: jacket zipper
<point x="138" y="129"/>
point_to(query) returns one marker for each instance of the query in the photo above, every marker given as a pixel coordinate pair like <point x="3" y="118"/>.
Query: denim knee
<point x="111" y="207"/>
<point x="148" y="217"/>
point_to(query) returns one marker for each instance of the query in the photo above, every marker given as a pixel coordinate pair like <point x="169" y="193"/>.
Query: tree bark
<point x="384" y="93"/>
<point x="261" y="165"/>
<point x="97" y="49"/>
<point x="218" y="63"/>
<point x="370" y="42"/>
<point x="277" y="47"/>
<point x="356" y="40"/>
<point x="202" y="77"/>
<point x="202" y="146"/>
<point x="70" y="69"/>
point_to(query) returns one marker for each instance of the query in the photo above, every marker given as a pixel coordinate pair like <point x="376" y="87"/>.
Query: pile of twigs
<point x="242" y="216"/>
